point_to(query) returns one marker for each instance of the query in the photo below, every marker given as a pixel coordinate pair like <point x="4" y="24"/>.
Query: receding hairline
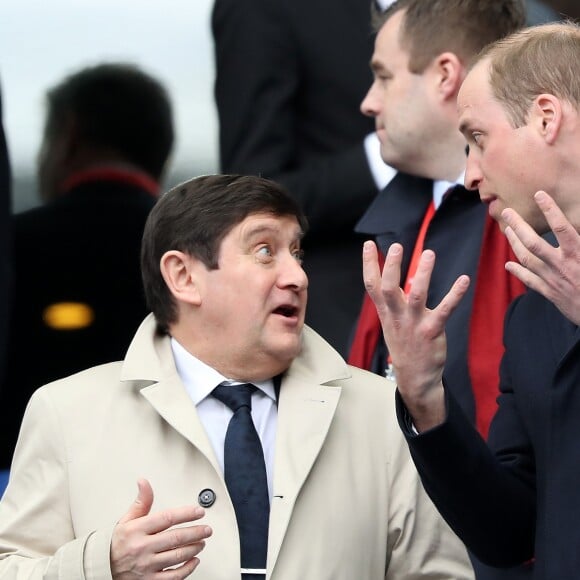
<point x="537" y="60"/>
<point x="463" y="110"/>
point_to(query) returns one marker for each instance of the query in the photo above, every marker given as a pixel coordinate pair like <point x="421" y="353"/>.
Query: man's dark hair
<point x="194" y="218"/>
<point x="118" y="107"/>
<point x="464" y="27"/>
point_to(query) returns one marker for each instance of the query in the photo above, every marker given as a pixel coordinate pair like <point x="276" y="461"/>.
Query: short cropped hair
<point x="541" y="59"/>
<point x="194" y="217"/>
<point x="463" y="27"/>
<point x="119" y="107"/>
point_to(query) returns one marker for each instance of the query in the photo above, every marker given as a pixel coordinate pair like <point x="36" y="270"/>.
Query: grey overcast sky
<point x="42" y="41"/>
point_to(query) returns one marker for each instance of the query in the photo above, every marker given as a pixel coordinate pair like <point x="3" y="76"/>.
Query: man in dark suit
<point x="419" y="64"/>
<point x="519" y="111"/>
<point x="78" y="296"/>
<point x="290" y="78"/>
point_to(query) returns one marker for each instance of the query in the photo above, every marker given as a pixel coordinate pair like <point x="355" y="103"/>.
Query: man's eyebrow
<point x="464" y="126"/>
<point x="267" y="229"/>
<point x="376" y="66"/>
<point x="258" y="230"/>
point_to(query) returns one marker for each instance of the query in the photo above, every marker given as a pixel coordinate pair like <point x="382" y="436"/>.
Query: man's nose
<point x="293" y="273"/>
<point x="369" y="105"/>
<point x="473" y="174"/>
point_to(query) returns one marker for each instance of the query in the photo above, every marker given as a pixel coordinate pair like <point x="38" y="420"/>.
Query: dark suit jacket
<point x="291" y="75"/>
<point x="521" y="498"/>
<point x="83" y="247"/>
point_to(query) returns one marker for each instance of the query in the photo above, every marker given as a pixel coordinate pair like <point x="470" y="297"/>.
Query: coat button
<point x="206" y="498"/>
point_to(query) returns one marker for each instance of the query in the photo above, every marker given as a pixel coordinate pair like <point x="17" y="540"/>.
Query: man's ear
<point x="449" y="74"/>
<point x="546" y="115"/>
<point x="179" y="272"/>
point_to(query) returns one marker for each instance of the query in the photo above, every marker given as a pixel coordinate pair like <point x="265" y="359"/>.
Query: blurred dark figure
<point x="5" y="244"/>
<point x="78" y="293"/>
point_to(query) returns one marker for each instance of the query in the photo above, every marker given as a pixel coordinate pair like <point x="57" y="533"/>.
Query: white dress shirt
<point x="200" y="380"/>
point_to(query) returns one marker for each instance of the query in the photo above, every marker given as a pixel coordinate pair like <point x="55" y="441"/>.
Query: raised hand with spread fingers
<point x="415" y="334"/>
<point x="553" y="272"/>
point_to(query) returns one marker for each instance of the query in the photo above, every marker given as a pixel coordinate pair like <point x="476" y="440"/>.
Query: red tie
<point x="494" y="290"/>
<point x="368" y="330"/>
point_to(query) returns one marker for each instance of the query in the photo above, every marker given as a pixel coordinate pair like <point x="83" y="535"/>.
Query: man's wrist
<point x="426" y="411"/>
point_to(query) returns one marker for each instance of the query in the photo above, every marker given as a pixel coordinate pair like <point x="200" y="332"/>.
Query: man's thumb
<point x="142" y="504"/>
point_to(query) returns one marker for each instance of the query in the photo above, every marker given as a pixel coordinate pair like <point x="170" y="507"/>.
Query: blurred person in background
<point x="5" y="262"/>
<point x="5" y="244"/>
<point x="78" y="296"/>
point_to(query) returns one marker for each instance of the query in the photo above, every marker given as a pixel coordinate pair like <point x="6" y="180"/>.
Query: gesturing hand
<point x="553" y="272"/>
<point x="415" y="335"/>
<point x="144" y="545"/>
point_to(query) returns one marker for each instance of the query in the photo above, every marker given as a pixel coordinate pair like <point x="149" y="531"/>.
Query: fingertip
<point x="395" y="249"/>
<point x="144" y="486"/>
<point x="464" y="281"/>
<point x="144" y="493"/>
<point x="368" y="247"/>
<point x="429" y="254"/>
<point x="140" y="486"/>
<point x="143" y="482"/>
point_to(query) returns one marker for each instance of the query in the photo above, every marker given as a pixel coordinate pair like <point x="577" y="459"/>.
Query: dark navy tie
<point x="245" y="475"/>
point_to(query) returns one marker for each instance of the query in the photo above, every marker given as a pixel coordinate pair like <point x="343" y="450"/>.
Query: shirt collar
<point x="441" y="187"/>
<point x="200" y="379"/>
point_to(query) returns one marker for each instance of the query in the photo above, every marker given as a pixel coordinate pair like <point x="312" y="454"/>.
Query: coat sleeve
<point x="37" y="536"/>
<point x="421" y="543"/>
<point x="486" y="493"/>
<point x="258" y="92"/>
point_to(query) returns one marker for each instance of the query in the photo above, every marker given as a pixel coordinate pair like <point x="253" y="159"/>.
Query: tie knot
<point x="235" y="396"/>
